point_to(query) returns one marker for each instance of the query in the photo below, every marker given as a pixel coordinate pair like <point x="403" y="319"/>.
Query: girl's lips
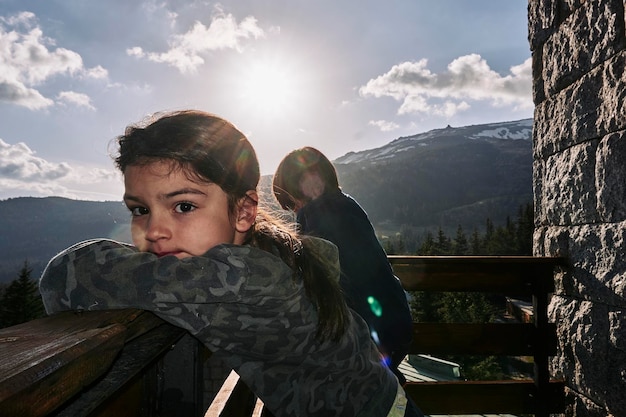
<point x="162" y="254"/>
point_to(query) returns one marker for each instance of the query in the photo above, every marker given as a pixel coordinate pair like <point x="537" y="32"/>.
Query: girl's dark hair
<point x="211" y="149"/>
<point x="203" y="144"/>
<point x="321" y="280"/>
<point x="286" y="182"/>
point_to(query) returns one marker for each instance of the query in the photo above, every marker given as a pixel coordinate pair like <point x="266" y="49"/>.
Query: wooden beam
<point x="483" y="397"/>
<point x="510" y="339"/>
<point x="509" y="275"/>
<point x="45" y="362"/>
<point x="233" y="399"/>
<point x="120" y="391"/>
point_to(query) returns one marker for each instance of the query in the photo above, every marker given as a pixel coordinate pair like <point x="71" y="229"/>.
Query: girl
<point x="306" y="182"/>
<point x="264" y="300"/>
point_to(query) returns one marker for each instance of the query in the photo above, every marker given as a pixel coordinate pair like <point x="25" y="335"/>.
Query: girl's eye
<point x="138" y="211"/>
<point x="184" y="207"/>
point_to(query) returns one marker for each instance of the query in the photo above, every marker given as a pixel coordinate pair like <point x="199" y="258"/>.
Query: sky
<point x="341" y="76"/>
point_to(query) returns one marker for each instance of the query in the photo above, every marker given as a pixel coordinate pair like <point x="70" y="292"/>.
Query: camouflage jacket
<point x="244" y="304"/>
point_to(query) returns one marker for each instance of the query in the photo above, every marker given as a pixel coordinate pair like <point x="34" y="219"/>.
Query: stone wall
<point x="579" y="181"/>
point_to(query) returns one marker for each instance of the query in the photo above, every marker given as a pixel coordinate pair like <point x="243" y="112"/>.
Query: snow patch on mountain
<point x="521" y="129"/>
<point x="516" y="130"/>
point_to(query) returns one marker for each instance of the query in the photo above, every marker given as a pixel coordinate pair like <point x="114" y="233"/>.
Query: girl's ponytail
<point x="320" y="277"/>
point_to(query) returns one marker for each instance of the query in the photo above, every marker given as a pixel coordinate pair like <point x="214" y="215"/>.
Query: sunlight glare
<point x="269" y="89"/>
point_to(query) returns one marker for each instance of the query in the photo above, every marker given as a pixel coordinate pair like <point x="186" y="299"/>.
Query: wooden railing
<point x="121" y="363"/>
<point x="531" y="277"/>
<point x="108" y="363"/>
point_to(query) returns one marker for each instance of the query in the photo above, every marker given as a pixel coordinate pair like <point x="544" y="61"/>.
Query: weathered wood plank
<point x="223" y="395"/>
<point x="510" y="275"/>
<point x="70" y="363"/>
<point x="510" y="339"/>
<point x="233" y="399"/>
<point x="493" y="397"/>
<point x="109" y="395"/>
<point x="44" y="362"/>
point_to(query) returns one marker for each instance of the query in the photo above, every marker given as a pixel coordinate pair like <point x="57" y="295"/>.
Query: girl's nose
<point x="157" y="228"/>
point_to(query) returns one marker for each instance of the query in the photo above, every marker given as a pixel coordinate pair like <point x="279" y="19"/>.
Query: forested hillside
<point x="35" y="229"/>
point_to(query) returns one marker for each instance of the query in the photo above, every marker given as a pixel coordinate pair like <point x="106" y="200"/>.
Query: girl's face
<point x="173" y="215"/>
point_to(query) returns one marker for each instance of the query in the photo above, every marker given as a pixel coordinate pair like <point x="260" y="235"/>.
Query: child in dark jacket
<point x="306" y="182"/>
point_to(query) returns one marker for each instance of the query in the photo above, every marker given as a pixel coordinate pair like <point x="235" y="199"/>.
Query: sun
<point x="269" y="88"/>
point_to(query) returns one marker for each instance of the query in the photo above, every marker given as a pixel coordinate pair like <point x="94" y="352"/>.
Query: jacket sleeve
<point x="104" y="274"/>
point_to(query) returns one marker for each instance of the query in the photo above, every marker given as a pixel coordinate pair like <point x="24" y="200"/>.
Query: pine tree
<point x="477" y="244"/>
<point x="428" y="246"/>
<point x="461" y="245"/>
<point x="525" y="228"/>
<point x="21" y="301"/>
<point x="442" y="245"/>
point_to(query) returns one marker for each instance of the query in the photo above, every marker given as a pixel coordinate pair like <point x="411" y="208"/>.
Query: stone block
<point x="597" y="257"/>
<point x="545" y="16"/>
<point x="611" y="177"/>
<point x="542" y="21"/>
<point x="589" y="109"/>
<point x="582" y="358"/>
<point x="612" y="108"/>
<point x="615" y="399"/>
<point x="538" y="176"/>
<point x="590" y="35"/>
<point x="568" y="188"/>
<point x="580" y="406"/>
<point x="569" y="117"/>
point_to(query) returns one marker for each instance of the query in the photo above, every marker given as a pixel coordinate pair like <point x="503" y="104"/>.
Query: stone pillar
<point x="579" y="182"/>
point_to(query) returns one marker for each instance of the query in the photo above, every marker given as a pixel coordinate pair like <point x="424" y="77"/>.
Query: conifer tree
<point x="442" y="246"/>
<point x="476" y="245"/>
<point x="525" y="228"/>
<point x="21" y="301"/>
<point x="428" y="246"/>
<point x="461" y="245"/>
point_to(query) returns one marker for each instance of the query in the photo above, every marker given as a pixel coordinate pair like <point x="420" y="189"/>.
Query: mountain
<point x="439" y="179"/>
<point x="443" y="178"/>
<point x="35" y="229"/>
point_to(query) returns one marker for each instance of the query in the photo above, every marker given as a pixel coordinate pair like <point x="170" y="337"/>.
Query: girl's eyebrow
<point x="166" y="196"/>
<point x="128" y="197"/>
<point x="182" y="191"/>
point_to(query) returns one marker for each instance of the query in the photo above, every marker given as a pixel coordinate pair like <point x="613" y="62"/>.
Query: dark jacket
<point x="370" y="287"/>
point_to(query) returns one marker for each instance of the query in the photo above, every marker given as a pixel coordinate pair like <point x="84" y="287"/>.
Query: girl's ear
<point x="246" y="212"/>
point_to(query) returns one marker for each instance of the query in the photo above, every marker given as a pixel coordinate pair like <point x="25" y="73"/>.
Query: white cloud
<point x="383" y="125"/>
<point x="15" y="92"/>
<point x="74" y="98"/>
<point x="97" y="72"/>
<point x="18" y="162"/>
<point x="467" y="78"/>
<point x="20" y="18"/>
<point x="28" y="59"/>
<point x="24" y="173"/>
<point x="186" y="50"/>
<point x="13" y="188"/>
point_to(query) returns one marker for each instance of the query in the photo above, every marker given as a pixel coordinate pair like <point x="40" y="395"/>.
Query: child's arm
<point x="229" y="287"/>
<point x="104" y="274"/>
<point x="70" y="280"/>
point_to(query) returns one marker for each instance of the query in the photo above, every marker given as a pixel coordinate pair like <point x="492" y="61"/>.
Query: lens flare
<point x="375" y="337"/>
<point x="375" y="306"/>
<point x="385" y="360"/>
